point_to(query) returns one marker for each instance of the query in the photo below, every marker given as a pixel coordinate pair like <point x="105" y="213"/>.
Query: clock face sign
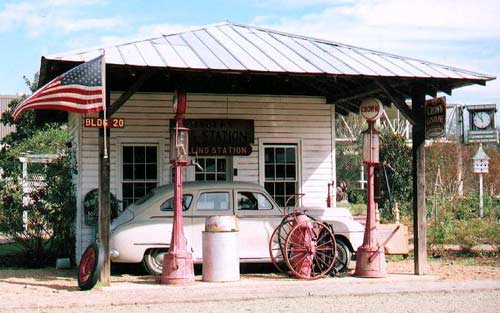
<point x="482" y="120"/>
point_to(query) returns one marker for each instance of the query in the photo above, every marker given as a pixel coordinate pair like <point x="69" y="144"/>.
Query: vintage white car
<point x="143" y="231"/>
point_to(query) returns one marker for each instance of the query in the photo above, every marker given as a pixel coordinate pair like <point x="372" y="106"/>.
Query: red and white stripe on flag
<point x="79" y="90"/>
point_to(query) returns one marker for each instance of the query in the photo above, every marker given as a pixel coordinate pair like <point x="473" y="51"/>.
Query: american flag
<point x="79" y="90"/>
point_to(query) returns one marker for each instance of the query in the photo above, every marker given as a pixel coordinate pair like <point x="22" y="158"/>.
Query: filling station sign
<point x="210" y="137"/>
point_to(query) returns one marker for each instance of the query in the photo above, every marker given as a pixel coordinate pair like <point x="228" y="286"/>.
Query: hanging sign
<point x="211" y="137"/>
<point x="435" y="117"/>
<point x="97" y="122"/>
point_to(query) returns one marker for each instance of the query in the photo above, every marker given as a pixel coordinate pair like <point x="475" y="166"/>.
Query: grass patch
<point x="358" y="209"/>
<point x="465" y="232"/>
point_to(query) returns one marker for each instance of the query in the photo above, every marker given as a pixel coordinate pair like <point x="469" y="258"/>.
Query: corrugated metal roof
<point x="235" y="47"/>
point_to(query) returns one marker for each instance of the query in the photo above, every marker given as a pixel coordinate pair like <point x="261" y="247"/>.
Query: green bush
<point x="356" y="196"/>
<point x="51" y="215"/>
<point x="395" y="158"/>
<point x="465" y="232"/>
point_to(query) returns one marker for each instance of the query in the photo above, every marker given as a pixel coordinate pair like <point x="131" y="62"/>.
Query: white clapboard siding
<point x="4" y="105"/>
<point x="147" y="119"/>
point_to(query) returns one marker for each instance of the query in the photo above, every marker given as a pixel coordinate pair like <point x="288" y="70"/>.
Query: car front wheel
<point x="153" y="261"/>
<point x="342" y="258"/>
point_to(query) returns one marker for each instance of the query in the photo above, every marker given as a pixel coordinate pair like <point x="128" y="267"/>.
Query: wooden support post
<point x="104" y="201"/>
<point x="418" y="170"/>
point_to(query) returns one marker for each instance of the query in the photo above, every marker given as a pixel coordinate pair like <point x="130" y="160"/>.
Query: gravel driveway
<point x="452" y="287"/>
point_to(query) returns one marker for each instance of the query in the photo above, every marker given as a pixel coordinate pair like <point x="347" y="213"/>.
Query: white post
<point x="481" y="195"/>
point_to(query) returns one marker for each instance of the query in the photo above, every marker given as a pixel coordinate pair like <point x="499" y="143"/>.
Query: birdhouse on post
<point x="481" y="161"/>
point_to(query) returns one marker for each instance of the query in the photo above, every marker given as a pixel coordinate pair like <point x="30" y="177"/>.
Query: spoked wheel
<point x="277" y="243"/>
<point x="310" y="250"/>
<point x="90" y="266"/>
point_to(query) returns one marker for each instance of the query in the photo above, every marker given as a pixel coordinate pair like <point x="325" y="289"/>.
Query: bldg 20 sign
<point x="210" y="137"/>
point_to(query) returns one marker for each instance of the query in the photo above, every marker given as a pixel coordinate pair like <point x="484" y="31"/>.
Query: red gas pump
<point x="370" y="258"/>
<point x="178" y="267"/>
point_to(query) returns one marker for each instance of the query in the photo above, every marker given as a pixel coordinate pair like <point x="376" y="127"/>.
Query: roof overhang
<point x="231" y="58"/>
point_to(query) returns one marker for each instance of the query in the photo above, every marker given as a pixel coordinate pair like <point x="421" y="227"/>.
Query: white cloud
<point x="55" y="16"/>
<point x="297" y="3"/>
<point x="459" y="33"/>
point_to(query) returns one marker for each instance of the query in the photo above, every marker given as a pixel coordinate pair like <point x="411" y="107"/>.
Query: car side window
<point x="213" y="201"/>
<point x="253" y="201"/>
<point x="169" y="204"/>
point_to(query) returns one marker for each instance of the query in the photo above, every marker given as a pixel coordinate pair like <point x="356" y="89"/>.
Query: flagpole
<point x="105" y="122"/>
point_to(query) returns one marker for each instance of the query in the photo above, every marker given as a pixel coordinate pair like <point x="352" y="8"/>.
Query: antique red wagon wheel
<point x="90" y="266"/>
<point x="310" y="250"/>
<point x="277" y="242"/>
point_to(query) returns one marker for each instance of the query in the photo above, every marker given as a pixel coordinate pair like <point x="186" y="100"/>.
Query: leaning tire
<point x="153" y="261"/>
<point x="342" y="258"/>
<point x="90" y="266"/>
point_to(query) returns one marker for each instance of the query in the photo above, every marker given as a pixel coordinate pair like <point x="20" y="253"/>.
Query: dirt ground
<point x="50" y="280"/>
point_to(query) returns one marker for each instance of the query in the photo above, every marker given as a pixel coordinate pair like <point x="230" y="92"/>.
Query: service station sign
<point x="210" y="137"/>
<point x="435" y="117"/>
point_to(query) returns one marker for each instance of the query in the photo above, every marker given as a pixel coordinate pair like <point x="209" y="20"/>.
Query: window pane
<point x="151" y="172"/>
<point x="210" y="177"/>
<point x="221" y="165"/>
<point x="263" y="202"/>
<point x="221" y="177"/>
<point x="128" y="171"/>
<point x="290" y="172"/>
<point x="247" y="201"/>
<point x="290" y="155"/>
<point x="269" y="188"/>
<point x="269" y="172"/>
<point x="210" y="165"/>
<point x="279" y="189"/>
<point x="139" y="154"/>
<point x="280" y="201"/>
<point x="280" y="171"/>
<point x="290" y="188"/>
<point x="128" y="191"/>
<point x="169" y="204"/>
<point x="151" y="154"/>
<point x="139" y="190"/>
<point x="200" y="177"/>
<point x="213" y="201"/>
<point x="280" y="155"/>
<point x="269" y="155"/>
<point x="139" y="172"/>
<point x="128" y="154"/>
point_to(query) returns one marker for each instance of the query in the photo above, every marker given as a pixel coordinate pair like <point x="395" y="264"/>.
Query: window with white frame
<point x="281" y="172"/>
<point x="139" y="171"/>
<point x="213" y="169"/>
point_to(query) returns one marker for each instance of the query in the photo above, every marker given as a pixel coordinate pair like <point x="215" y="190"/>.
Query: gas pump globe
<point x="371" y="145"/>
<point x="180" y="140"/>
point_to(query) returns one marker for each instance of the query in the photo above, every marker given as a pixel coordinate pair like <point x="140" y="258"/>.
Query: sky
<point x="464" y="34"/>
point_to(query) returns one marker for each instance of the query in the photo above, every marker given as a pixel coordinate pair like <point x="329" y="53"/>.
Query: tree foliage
<point x="51" y="210"/>
<point x="396" y="182"/>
